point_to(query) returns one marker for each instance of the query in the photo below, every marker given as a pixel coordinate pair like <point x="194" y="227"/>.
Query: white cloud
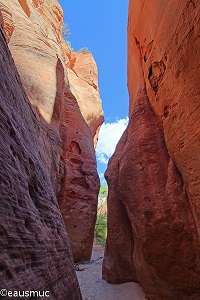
<point x="102" y="158"/>
<point x="101" y="176"/>
<point x="102" y="179"/>
<point x="109" y="136"/>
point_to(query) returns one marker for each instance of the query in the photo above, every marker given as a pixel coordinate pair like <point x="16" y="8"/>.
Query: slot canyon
<point x="50" y="118"/>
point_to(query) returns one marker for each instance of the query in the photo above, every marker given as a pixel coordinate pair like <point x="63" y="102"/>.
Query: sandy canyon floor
<point x="94" y="288"/>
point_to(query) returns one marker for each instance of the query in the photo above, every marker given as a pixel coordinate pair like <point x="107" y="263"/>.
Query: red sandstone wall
<point x="154" y="195"/>
<point x="34" y="32"/>
<point x="35" y="251"/>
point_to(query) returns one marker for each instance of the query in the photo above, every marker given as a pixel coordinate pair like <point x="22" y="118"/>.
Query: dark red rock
<point x="117" y="264"/>
<point x="79" y="182"/>
<point x="35" y="251"/>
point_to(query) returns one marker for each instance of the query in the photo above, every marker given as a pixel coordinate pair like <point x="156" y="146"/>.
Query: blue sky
<point x="101" y="26"/>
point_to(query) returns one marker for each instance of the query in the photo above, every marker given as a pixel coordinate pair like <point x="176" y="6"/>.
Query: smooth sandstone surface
<point x="35" y="47"/>
<point x="34" y="35"/>
<point x="169" y="42"/>
<point x="153" y="176"/>
<point x="35" y="250"/>
<point x="83" y="81"/>
<point x="34" y="32"/>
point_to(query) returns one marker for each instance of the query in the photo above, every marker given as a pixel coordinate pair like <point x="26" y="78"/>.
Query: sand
<point x="93" y="287"/>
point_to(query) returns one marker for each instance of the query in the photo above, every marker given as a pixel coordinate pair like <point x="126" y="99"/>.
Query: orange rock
<point x="38" y="27"/>
<point x="42" y="59"/>
<point x="153" y="176"/>
<point x="34" y="45"/>
<point x="171" y="69"/>
<point x="83" y="82"/>
<point x="8" y="22"/>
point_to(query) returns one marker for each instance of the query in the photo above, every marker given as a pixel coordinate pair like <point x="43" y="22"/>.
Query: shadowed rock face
<point x="153" y="176"/>
<point x="35" y="249"/>
<point x="34" y="32"/>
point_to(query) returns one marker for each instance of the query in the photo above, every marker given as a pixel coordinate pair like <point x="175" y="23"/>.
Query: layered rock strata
<point x="35" y="250"/>
<point x="153" y="176"/>
<point x="43" y="59"/>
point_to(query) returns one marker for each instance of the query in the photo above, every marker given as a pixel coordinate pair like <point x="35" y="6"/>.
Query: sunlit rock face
<point x="83" y="81"/>
<point x="153" y="203"/>
<point x="34" y="32"/>
<point x="34" y="35"/>
<point x="35" y="249"/>
<point x="35" y="46"/>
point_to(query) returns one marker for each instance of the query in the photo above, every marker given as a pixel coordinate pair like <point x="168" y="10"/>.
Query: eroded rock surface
<point x="153" y="176"/>
<point x="34" y="32"/>
<point x="79" y="185"/>
<point x="35" y="250"/>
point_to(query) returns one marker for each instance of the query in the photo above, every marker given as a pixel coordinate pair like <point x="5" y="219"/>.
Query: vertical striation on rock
<point x="154" y="195"/>
<point x="35" y="250"/>
<point x="44" y="62"/>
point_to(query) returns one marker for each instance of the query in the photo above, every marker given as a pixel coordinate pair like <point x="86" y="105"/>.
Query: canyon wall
<point x="83" y="82"/>
<point x="35" y="250"/>
<point x="63" y="92"/>
<point x="153" y="176"/>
